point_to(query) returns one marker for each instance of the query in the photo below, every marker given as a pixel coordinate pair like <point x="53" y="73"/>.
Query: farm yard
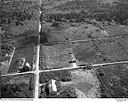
<point x="27" y="53"/>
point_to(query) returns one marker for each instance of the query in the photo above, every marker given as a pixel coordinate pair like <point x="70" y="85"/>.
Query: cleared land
<point x="55" y="56"/>
<point x="85" y="83"/>
<point x="101" y="51"/>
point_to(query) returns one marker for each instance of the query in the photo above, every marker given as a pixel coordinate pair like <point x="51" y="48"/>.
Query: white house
<point x="52" y="87"/>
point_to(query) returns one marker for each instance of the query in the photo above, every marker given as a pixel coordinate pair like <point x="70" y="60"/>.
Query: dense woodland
<point x="16" y="91"/>
<point x="80" y="10"/>
<point x="18" y="20"/>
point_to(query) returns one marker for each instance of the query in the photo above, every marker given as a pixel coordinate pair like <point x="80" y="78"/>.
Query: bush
<point x="16" y="91"/>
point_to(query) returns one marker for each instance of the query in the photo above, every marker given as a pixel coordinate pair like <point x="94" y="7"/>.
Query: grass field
<point x="86" y="53"/>
<point x="108" y="50"/>
<point x="54" y="56"/>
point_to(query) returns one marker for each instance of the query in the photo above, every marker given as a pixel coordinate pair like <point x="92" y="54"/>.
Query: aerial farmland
<point x="64" y="49"/>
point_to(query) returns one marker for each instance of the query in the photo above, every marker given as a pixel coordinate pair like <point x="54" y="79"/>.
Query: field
<point x="64" y="31"/>
<point x="108" y="50"/>
<point x="55" y="56"/>
<point x="67" y="31"/>
<point x="85" y="83"/>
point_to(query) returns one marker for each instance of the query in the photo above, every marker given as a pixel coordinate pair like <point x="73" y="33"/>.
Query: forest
<point x="80" y="10"/>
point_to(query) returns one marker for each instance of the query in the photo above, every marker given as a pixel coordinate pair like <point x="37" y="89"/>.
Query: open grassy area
<point x="114" y="49"/>
<point x="63" y="31"/>
<point x="107" y="50"/>
<point x="85" y="52"/>
<point x="54" y="56"/>
<point x="117" y="30"/>
<point x="86" y="82"/>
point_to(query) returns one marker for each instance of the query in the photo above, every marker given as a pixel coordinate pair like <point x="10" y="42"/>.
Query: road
<point x="81" y="67"/>
<point x="37" y="71"/>
<point x="68" y="68"/>
<point x="37" y="62"/>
